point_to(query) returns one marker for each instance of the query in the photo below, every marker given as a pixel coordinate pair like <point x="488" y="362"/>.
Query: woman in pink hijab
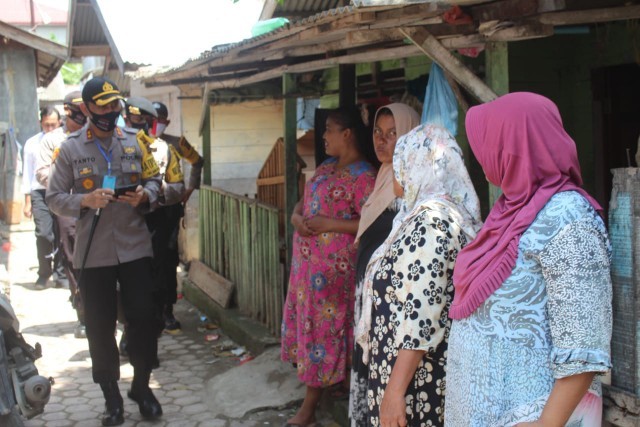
<point x="532" y="306"/>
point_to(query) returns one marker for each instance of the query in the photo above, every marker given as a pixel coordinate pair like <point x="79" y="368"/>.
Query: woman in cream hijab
<point x="408" y="287"/>
<point x="391" y="122"/>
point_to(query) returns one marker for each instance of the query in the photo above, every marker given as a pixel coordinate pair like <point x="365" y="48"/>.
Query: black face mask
<point x="144" y="126"/>
<point x="77" y="116"/>
<point x="105" y="122"/>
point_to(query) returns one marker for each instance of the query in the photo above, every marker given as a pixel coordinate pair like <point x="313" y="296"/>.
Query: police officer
<point x="140" y="115"/>
<point x="49" y="149"/>
<point x="173" y="147"/>
<point x="114" y="179"/>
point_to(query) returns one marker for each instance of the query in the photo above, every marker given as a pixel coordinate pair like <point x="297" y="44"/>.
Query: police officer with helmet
<point x="105" y="178"/>
<point x="177" y="148"/>
<point x="140" y="114"/>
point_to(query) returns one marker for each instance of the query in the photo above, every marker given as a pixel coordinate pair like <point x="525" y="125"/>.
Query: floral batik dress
<point x="317" y="324"/>
<point x="412" y="292"/>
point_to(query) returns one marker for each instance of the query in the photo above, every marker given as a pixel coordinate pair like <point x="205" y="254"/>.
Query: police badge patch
<point x="87" y="184"/>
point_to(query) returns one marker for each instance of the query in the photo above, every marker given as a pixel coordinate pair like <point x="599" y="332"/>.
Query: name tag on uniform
<point x="109" y="181"/>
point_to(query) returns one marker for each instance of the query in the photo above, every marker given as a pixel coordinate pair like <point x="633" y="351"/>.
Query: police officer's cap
<point x="73" y="98"/>
<point x="137" y="105"/>
<point x="161" y="109"/>
<point x="100" y="91"/>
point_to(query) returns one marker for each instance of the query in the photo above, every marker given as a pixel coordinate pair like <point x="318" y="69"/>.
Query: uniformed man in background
<point x="113" y="181"/>
<point x="49" y="149"/>
<point x="173" y="147"/>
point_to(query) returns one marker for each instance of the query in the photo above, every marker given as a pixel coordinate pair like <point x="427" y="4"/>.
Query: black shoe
<point x="81" y="331"/>
<point x="147" y="403"/>
<point x="171" y="325"/>
<point x="113" y="416"/>
<point x="41" y="283"/>
<point x="124" y="344"/>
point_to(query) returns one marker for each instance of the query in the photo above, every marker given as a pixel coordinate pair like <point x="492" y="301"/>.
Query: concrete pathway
<point x="199" y="383"/>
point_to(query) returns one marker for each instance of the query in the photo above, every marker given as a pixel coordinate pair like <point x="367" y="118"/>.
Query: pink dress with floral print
<point x="317" y="324"/>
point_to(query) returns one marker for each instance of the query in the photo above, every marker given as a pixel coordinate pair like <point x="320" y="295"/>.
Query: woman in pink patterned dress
<point x="317" y="325"/>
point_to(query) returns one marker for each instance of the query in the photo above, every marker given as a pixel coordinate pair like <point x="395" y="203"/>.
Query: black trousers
<point x="46" y="237"/>
<point x="164" y="223"/>
<point x="98" y="289"/>
<point x="67" y="230"/>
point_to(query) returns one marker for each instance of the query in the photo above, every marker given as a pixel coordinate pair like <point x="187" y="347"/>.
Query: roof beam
<point x="576" y="17"/>
<point x="90" y="50"/>
<point x="431" y="47"/>
<point x="33" y="41"/>
<point x="514" y="9"/>
<point x="525" y="31"/>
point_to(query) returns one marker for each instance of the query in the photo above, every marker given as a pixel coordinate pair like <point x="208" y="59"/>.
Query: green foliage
<point x="71" y="73"/>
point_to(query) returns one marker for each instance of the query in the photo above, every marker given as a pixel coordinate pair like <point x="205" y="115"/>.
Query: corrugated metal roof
<point x="18" y="12"/>
<point x="49" y="55"/>
<point x="88" y="29"/>
<point x="301" y="8"/>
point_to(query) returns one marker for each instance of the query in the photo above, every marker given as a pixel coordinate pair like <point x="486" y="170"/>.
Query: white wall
<point x="242" y="136"/>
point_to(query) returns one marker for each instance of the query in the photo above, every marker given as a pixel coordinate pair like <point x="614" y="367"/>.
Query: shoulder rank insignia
<point x="55" y="154"/>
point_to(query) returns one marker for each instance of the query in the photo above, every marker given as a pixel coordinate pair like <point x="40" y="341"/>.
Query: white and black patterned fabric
<point x="413" y="291"/>
<point x="370" y="240"/>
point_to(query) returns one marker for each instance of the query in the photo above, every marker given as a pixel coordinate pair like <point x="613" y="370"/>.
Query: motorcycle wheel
<point x="11" y="420"/>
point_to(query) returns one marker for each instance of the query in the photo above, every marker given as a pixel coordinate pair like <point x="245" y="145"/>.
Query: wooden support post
<point x="431" y="47"/>
<point x="290" y="159"/>
<point x="497" y="66"/>
<point x="347" y="85"/>
<point x="206" y="144"/>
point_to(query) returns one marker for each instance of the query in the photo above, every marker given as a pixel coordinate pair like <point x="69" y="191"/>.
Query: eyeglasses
<point x="377" y="133"/>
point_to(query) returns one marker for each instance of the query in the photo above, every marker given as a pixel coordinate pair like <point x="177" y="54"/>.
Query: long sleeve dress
<point x="412" y="292"/>
<point x="550" y="319"/>
<point x="317" y="324"/>
<point x="370" y="240"/>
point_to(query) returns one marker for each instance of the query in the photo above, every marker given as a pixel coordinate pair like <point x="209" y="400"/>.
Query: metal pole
<point x="94" y="224"/>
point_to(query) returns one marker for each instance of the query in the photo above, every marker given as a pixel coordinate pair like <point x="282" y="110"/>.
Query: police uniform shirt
<point x="168" y="160"/>
<point x="190" y="154"/>
<point x="121" y="234"/>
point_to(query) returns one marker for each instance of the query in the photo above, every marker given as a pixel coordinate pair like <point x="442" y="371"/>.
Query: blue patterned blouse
<point x="550" y="319"/>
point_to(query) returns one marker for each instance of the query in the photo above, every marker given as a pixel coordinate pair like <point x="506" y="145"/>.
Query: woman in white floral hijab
<point x="408" y="286"/>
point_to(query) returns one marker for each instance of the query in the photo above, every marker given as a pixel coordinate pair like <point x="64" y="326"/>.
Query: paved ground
<point x="200" y="383"/>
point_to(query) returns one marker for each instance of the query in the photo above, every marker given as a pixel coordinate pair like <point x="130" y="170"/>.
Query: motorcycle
<point x="23" y="393"/>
